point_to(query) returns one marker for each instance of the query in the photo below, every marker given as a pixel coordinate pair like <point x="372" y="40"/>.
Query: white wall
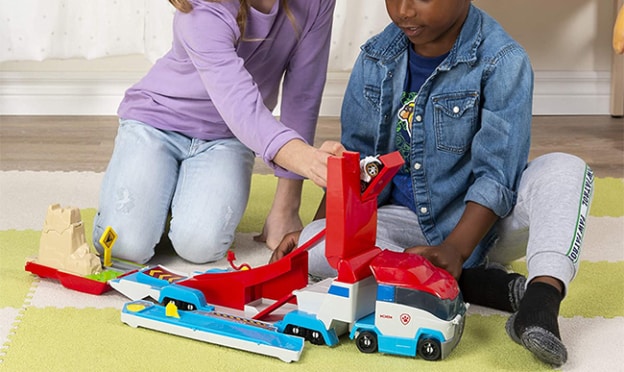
<point x="569" y="42"/>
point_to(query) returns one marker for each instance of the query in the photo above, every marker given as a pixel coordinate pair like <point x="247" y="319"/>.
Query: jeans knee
<point x="136" y="238"/>
<point x="130" y="247"/>
<point x="200" y="248"/>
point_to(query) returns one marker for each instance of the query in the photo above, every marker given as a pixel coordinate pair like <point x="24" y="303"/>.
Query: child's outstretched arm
<point x="451" y="254"/>
<point x="283" y="216"/>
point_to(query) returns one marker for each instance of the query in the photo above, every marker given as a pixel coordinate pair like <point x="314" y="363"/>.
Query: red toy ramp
<point x="235" y="289"/>
<point x="352" y="214"/>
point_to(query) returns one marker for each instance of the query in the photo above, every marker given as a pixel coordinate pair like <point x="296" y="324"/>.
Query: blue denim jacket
<point x="471" y="122"/>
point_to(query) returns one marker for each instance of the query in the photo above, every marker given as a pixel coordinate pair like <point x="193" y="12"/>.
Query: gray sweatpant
<point x="546" y="225"/>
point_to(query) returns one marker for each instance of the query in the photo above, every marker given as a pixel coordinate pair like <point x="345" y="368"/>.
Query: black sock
<point x="492" y="287"/>
<point x="535" y="325"/>
<point x="539" y="308"/>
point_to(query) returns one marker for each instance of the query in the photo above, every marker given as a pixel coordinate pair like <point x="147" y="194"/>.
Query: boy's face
<point x="431" y="25"/>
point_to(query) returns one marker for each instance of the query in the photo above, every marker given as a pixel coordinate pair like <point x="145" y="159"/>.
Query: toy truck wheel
<point x="429" y="349"/>
<point x="366" y="342"/>
<point x="296" y="331"/>
<point x="316" y="338"/>
<point x="181" y="305"/>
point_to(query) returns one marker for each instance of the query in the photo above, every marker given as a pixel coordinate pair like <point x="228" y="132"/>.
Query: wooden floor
<point x="84" y="143"/>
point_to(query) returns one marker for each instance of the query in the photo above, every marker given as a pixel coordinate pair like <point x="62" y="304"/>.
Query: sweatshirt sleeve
<point x="208" y="35"/>
<point x="306" y="75"/>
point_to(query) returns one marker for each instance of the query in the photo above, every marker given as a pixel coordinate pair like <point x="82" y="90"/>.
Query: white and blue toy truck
<point x="394" y="303"/>
<point x="407" y="307"/>
<point x="419" y="310"/>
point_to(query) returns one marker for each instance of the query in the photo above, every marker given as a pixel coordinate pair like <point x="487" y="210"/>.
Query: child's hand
<point x="308" y="161"/>
<point x="318" y="161"/>
<point x="286" y="246"/>
<point x="443" y="256"/>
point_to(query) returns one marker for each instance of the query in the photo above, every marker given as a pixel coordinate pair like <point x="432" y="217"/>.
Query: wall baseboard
<point x="572" y="93"/>
<point x="99" y="93"/>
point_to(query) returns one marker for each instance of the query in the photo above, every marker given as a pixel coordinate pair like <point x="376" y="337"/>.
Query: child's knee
<point x="135" y="240"/>
<point x="560" y="173"/>
<point x="317" y="261"/>
<point x="558" y="164"/>
<point x="131" y="247"/>
<point x="201" y="247"/>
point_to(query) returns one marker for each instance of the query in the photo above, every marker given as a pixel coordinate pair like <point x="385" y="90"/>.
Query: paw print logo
<point x="405" y="318"/>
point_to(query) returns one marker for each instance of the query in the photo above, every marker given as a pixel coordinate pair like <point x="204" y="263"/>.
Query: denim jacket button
<point x="456" y="109"/>
<point x="418" y="118"/>
<point x="417" y="166"/>
<point x="423" y="210"/>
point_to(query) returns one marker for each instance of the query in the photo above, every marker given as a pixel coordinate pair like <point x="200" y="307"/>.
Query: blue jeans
<point x="203" y="184"/>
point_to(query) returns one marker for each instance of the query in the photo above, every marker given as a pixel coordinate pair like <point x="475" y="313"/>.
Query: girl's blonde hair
<point x="241" y="18"/>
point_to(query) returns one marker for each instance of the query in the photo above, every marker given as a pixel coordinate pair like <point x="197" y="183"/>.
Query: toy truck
<point x="395" y="303"/>
<point x="408" y="307"/>
<point x="418" y="310"/>
<point x="390" y="302"/>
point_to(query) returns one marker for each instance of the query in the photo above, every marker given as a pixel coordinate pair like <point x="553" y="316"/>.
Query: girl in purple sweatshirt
<point x="190" y="129"/>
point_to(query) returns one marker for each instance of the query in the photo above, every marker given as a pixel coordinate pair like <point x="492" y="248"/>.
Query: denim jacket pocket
<point x="455" y="120"/>
<point x="372" y="94"/>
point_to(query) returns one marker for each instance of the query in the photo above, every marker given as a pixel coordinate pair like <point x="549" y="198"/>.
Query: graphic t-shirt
<point x="419" y="70"/>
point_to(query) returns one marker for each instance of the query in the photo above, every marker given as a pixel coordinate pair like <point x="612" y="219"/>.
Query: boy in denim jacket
<point x="446" y="86"/>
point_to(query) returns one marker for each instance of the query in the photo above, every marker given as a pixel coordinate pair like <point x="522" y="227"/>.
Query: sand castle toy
<point x="63" y="244"/>
<point x="64" y="254"/>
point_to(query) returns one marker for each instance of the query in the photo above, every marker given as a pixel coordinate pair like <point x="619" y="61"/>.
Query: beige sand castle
<point x="63" y="245"/>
